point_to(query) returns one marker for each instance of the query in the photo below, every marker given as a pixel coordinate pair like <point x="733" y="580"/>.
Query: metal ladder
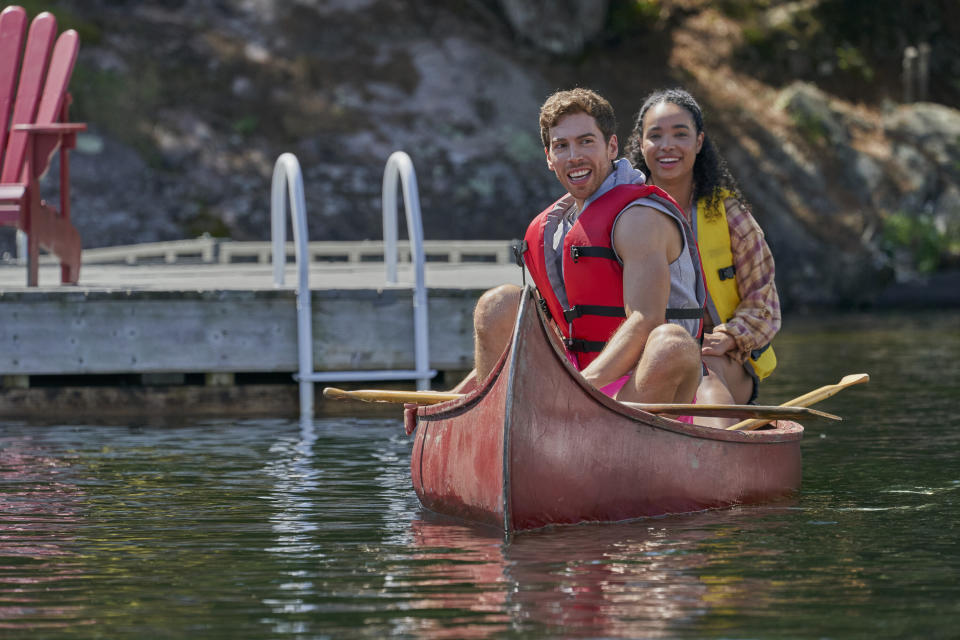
<point x="288" y="186"/>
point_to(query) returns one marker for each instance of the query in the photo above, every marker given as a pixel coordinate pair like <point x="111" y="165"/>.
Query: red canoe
<point x="537" y="446"/>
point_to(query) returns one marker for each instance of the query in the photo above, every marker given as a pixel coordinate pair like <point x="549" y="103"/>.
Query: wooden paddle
<point x="713" y="410"/>
<point x="807" y="399"/>
<point x="385" y="395"/>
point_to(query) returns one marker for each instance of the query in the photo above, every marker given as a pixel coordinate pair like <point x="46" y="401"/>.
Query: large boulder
<point x="892" y="180"/>
<point x="925" y="154"/>
<point x="561" y="27"/>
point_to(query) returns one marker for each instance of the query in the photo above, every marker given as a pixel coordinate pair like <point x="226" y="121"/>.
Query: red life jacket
<point x="592" y="273"/>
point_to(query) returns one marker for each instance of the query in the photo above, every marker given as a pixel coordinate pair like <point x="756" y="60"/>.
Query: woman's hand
<point x="717" y="344"/>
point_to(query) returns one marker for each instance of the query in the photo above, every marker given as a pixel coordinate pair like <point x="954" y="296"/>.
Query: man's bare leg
<point x="669" y="369"/>
<point x="493" y="320"/>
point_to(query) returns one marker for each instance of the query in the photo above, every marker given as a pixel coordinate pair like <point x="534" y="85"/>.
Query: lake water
<point x="276" y="529"/>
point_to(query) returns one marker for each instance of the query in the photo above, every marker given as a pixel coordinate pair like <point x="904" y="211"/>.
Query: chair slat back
<point x="33" y="72"/>
<point x="54" y="98"/>
<point x="58" y="77"/>
<point x="13" y="25"/>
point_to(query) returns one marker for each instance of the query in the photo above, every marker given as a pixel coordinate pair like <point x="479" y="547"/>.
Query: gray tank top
<point x="687" y="290"/>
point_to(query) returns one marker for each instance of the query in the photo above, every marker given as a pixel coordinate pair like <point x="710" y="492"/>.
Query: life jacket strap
<point x="694" y="313"/>
<point x="579" y="345"/>
<point x="592" y="252"/>
<point x="579" y="310"/>
<point x="519" y="248"/>
<point x="756" y="353"/>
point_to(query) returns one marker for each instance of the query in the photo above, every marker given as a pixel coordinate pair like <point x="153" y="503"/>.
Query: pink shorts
<point x="614" y="387"/>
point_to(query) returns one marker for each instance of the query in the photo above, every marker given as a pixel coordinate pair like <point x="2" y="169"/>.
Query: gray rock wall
<point x="189" y="103"/>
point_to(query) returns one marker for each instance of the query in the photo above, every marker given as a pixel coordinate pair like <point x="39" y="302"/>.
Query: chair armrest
<point x="54" y="128"/>
<point x="44" y="139"/>
<point x="12" y="192"/>
<point x="11" y="202"/>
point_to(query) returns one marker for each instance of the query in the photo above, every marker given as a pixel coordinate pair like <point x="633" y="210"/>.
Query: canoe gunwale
<point x="785" y="430"/>
<point x="463" y="404"/>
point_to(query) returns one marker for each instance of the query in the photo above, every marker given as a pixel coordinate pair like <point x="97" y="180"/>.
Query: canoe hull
<point x="537" y="446"/>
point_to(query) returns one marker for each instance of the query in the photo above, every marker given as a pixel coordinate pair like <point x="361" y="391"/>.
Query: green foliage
<point x="89" y="33"/>
<point x="632" y="16"/>
<point x="206" y="222"/>
<point x="523" y="147"/>
<point x="125" y="98"/>
<point x="852" y="60"/>
<point x="755" y="36"/>
<point x="246" y="125"/>
<point x="918" y="237"/>
<point x="852" y="48"/>
<point x="742" y="10"/>
<point x="810" y="128"/>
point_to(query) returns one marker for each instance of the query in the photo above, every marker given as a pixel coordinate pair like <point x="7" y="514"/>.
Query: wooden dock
<point x="199" y="326"/>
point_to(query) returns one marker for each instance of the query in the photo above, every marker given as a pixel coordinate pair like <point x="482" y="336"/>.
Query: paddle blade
<point x="807" y="399"/>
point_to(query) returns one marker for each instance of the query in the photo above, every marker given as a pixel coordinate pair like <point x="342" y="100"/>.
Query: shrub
<point x="917" y="237"/>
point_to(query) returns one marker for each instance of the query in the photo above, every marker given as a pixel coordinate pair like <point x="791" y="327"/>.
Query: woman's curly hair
<point x="710" y="171"/>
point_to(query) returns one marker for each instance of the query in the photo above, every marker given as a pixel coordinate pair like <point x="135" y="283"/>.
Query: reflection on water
<point x="641" y="579"/>
<point x="38" y="511"/>
<point x="280" y="529"/>
<point x="296" y="481"/>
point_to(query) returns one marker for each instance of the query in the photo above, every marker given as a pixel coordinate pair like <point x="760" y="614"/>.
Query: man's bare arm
<point x="647" y="241"/>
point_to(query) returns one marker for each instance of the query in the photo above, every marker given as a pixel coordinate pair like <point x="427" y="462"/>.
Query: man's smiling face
<point x="579" y="156"/>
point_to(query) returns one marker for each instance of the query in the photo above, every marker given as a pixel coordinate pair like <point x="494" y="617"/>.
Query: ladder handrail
<point x="286" y="173"/>
<point x="400" y="166"/>
<point x="288" y="183"/>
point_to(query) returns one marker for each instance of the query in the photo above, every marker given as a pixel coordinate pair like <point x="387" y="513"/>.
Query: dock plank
<point x="172" y="318"/>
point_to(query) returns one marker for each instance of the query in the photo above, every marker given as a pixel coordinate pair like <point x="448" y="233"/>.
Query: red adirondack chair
<point x="32" y="131"/>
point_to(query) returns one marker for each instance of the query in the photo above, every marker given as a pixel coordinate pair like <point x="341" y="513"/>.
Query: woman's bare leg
<point x="726" y="382"/>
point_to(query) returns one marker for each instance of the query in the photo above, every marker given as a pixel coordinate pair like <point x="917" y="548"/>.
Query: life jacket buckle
<point x="579" y="345"/>
<point x="572" y="313"/>
<point x="519" y="248"/>
<point x="727" y="273"/>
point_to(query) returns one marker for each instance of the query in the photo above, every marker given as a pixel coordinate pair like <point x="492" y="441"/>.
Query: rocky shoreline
<point x="939" y="291"/>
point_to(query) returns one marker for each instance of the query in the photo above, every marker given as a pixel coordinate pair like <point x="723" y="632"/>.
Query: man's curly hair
<point x="577" y="100"/>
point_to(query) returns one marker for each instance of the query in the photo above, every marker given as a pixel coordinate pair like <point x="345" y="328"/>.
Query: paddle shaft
<point x="806" y="399"/>
<point x="730" y="410"/>
<point x="386" y="395"/>
<point x="723" y="410"/>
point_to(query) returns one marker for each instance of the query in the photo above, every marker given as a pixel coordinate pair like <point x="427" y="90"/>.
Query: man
<point x="614" y="262"/>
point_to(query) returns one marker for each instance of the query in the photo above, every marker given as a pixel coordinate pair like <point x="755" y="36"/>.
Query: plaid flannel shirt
<point x="757" y="317"/>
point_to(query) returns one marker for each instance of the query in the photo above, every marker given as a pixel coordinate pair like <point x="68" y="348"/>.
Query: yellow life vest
<point x="713" y="236"/>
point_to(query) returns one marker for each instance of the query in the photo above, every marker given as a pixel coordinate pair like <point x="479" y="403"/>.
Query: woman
<point x="670" y="146"/>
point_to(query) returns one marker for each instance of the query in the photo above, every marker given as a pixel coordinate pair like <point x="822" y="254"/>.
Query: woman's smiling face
<point x="670" y="142"/>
